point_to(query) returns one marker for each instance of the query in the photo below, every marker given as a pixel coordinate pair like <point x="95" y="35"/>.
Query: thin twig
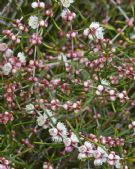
<point x="120" y="9"/>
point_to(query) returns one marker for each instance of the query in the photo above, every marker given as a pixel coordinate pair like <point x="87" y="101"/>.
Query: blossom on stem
<point x="66" y="3"/>
<point x="85" y="151"/>
<point x="59" y="132"/>
<point x="100" y="156"/>
<point x="114" y="160"/>
<point x="30" y="108"/>
<point x="22" y="57"/>
<point x="33" y="22"/>
<point x="45" y="119"/>
<point x="94" y="31"/>
<point x="70" y="141"/>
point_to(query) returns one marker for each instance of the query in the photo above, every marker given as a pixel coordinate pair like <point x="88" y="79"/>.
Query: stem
<point x="120" y="9"/>
<point x="118" y="34"/>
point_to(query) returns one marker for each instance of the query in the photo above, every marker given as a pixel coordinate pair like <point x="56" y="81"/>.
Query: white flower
<point x="86" y="32"/>
<point x="102" y="151"/>
<point x="53" y="132"/>
<point x="50" y="116"/>
<point x="74" y="138"/>
<point x="57" y="139"/>
<point x="117" y="164"/>
<point x="59" y="132"/>
<point x="98" y="162"/>
<point x="22" y="57"/>
<point x="105" y="82"/>
<point x="65" y="12"/>
<point x="82" y="156"/>
<point x="104" y="154"/>
<point x="99" y="33"/>
<point x="114" y="160"/>
<point x="117" y="161"/>
<point x="67" y="142"/>
<point x="62" y="129"/>
<point x="7" y="68"/>
<point x="94" y="31"/>
<point x="85" y="151"/>
<point x="29" y="108"/>
<point x="94" y="25"/>
<point x="88" y="145"/>
<point x="100" y="156"/>
<point x="33" y="22"/>
<point x="45" y="119"/>
<point x="66" y="3"/>
<point x="82" y="149"/>
<point x="41" y="119"/>
<point x="55" y="135"/>
<point x="62" y="57"/>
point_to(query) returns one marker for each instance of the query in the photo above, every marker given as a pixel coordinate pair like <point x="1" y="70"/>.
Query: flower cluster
<point x="17" y="23"/>
<point x="59" y="132"/>
<point x="43" y="119"/>
<point x="67" y="15"/>
<point x="114" y="159"/>
<point x="95" y="31"/>
<point x="11" y="36"/>
<point x="6" y="117"/>
<point x="71" y="140"/>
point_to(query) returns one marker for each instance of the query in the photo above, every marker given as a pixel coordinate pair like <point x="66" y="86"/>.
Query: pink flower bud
<point x="112" y="92"/>
<point x="111" y="156"/>
<point x="42" y="23"/>
<point x="73" y="34"/>
<point x="113" y="98"/>
<point x="133" y="123"/>
<point x="17" y="40"/>
<point x="34" y="5"/>
<point x="111" y="162"/>
<point x="100" y="88"/>
<point x="69" y="149"/>
<point x="121" y="96"/>
<point x="42" y="5"/>
<point x="13" y="37"/>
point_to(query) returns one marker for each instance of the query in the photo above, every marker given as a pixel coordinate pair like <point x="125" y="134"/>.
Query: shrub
<point x="67" y="84"/>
